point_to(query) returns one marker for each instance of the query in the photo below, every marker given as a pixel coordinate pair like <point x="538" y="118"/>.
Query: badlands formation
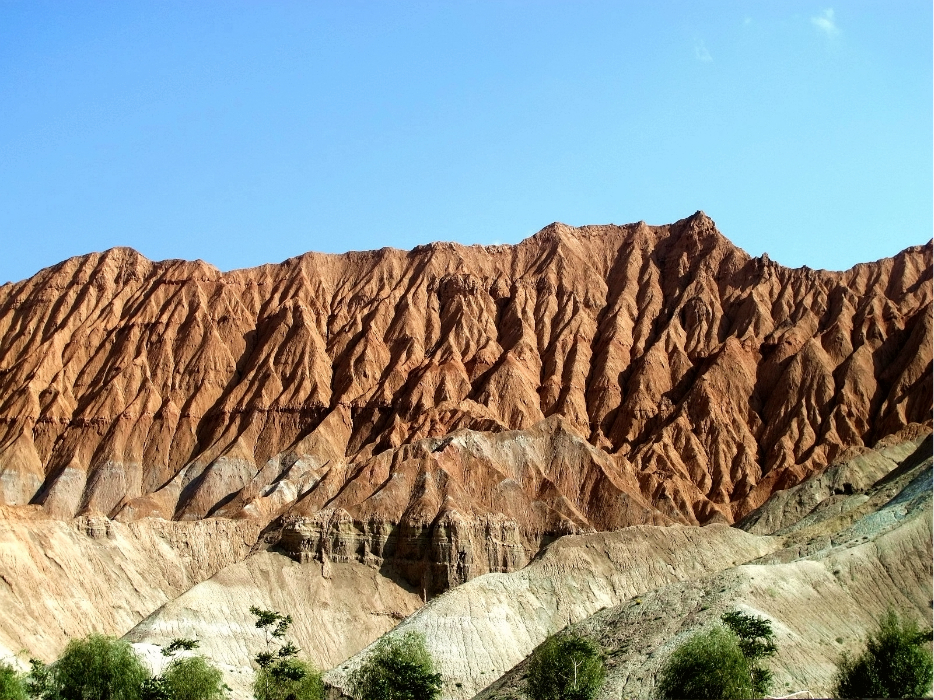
<point x="345" y="437"/>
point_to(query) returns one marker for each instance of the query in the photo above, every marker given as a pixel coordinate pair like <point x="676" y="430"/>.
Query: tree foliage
<point x="180" y="644"/>
<point x="709" y="665"/>
<point x="155" y="688"/>
<point x="280" y="673"/>
<point x="40" y="682"/>
<point x="96" y="668"/>
<point x="722" y="663"/>
<point x="895" y="664"/>
<point x="565" y="667"/>
<point x="291" y="679"/>
<point x="756" y="642"/>
<point x="11" y="683"/>
<point x="193" y="678"/>
<point x="398" y="668"/>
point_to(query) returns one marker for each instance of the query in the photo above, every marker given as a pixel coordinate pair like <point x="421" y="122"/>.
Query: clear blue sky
<point x="248" y="132"/>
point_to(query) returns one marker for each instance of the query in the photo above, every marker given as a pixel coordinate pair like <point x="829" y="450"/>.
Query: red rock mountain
<point x="460" y="404"/>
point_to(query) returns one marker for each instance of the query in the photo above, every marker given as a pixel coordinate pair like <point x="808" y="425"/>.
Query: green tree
<point x="40" y="683"/>
<point x="193" y="678"/>
<point x="398" y="668"/>
<point x="11" y="683"/>
<point x="280" y="672"/>
<point x="188" y="678"/>
<point x="155" y="688"/>
<point x="291" y="679"/>
<point x="565" y="667"/>
<point x="709" y="665"/>
<point x="180" y="644"/>
<point x="895" y="664"/>
<point x="98" y="668"/>
<point x="757" y="642"/>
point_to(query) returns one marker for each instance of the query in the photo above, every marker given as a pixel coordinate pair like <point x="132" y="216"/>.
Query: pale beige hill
<point x="479" y="630"/>
<point x="61" y="580"/>
<point x="338" y="609"/>
<point x="820" y="604"/>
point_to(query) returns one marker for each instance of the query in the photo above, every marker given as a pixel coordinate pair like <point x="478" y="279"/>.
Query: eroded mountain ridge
<point x="392" y="404"/>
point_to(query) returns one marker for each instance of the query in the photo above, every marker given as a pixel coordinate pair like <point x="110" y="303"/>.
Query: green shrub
<point x="281" y="674"/>
<point x="398" y="668"/>
<point x="294" y="678"/>
<point x="193" y="678"/>
<point x="155" y="688"/>
<point x="565" y="667"/>
<point x="895" y="663"/>
<point x="756" y="642"/>
<point x="709" y="665"/>
<point x="40" y="683"/>
<point x="11" y="683"/>
<point x="97" y="668"/>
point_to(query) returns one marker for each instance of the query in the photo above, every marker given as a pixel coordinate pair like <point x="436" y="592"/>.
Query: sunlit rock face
<point x="451" y="409"/>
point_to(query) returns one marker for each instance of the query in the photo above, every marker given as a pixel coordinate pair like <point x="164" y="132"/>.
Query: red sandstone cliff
<point x="682" y="379"/>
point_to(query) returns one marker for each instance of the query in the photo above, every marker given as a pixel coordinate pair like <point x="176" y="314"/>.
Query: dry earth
<point x="61" y="580"/>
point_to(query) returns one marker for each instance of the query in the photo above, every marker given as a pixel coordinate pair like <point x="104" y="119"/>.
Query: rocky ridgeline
<point x="447" y="410"/>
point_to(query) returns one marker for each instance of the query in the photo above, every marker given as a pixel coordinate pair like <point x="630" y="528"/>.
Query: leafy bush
<point x="155" y="688"/>
<point x="193" y="678"/>
<point x="756" y="641"/>
<point x="398" y="668"/>
<point x="40" y="682"/>
<point x="11" y="683"/>
<point x="97" y="668"/>
<point x="292" y="679"/>
<point x="895" y="663"/>
<point x="709" y="665"/>
<point x="565" y="667"/>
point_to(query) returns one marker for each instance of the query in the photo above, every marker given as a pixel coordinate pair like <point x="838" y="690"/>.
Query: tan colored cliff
<point x="392" y="402"/>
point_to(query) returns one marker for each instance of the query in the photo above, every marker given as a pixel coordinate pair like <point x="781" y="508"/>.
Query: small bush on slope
<point x="281" y="674"/>
<point x="756" y="641"/>
<point x="895" y="663"/>
<point x="293" y="679"/>
<point x="194" y="678"/>
<point x="709" y="665"/>
<point x="565" y="667"/>
<point x="96" y="668"/>
<point x="398" y="668"/>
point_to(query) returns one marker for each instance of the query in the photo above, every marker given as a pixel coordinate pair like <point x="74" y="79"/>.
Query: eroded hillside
<point x="390" y="404"/>
<point x="822" y="578"/>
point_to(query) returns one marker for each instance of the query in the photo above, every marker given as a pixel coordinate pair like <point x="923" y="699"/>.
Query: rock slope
<point x="391" y="403"/>
<point x="640" y="592"/>
<point x="62" y="580"/>
<point x="481" y="629"/>
<point x="338" y="609"/>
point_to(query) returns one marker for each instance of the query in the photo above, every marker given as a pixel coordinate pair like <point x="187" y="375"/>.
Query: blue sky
<point x="248" y="132"/>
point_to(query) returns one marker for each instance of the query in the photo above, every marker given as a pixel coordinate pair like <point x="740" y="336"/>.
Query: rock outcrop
<point x="453" y="408"/>
<point x="640" y="592"/>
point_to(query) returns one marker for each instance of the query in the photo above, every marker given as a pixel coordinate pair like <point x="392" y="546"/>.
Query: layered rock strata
<point x="62" y="580"/>
<point x="394" y="403"/>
